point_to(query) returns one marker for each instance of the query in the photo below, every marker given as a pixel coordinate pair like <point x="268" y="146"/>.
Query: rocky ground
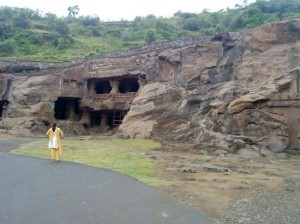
<point x="235" y="188"/>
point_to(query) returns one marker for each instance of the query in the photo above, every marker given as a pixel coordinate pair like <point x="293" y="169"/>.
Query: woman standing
<point x="54" y="135"/>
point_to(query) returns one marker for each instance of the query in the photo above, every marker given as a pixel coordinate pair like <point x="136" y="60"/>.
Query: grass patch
<point x="124" y="156"/>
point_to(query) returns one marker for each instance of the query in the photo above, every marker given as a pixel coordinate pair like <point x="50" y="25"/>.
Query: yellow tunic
<point x="58" y="133"/>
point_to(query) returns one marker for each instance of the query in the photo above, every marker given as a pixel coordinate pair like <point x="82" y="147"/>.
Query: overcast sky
<point x="122" y="9"/>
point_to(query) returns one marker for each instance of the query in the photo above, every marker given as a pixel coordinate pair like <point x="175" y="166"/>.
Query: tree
<point x="73" y="10"/>
<point x="150" y="16"/>
<point x="184" y="15"/>
<point x="21" y="21"/>
<point x="90" y="21"/>
<point x="192" y="24"/>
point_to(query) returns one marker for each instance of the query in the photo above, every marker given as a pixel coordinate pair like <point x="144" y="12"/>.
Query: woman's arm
<point x="61" y="133"/>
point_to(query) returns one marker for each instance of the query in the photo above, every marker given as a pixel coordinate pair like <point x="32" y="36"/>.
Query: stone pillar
<point x="114" y="86"/>
<point x="86" y="117"/>
<point x="85" y="87"/>
<point x="142" y="82"/>
<point x="104" y="120"/>
<point x="70" y="110"/>
<point x="92" y="88"/>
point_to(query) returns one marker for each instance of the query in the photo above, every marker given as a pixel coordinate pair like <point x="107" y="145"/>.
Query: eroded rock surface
<point x="218" y="95"/>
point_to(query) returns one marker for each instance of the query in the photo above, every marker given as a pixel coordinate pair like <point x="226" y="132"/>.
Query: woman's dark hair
<point x="53" y="127"/>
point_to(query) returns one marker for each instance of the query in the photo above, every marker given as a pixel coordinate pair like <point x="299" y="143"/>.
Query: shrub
<point x="90" y="21"/>
<point x="21" y="21"/>
<point x="6" y="48"/>
<point x="59" y="26"/>
<point x="150" y="37"/>
<point x="192" y="24"/>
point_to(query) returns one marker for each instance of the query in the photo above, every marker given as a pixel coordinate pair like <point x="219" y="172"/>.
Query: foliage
<point x="29" y="34"/>
<point x="6" y="48"/>
<point x="150" y="37"/>
<point x="21" y="21"/>
<point x="73" y="10"/>
<point x="58" y="25"/>
<point x="192" y="24"/>
<point x="90" y="21"/>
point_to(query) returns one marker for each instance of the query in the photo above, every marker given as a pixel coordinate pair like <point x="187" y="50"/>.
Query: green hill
<point x="30" y="35"/>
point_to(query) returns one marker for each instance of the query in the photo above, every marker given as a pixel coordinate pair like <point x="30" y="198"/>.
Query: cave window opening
<point x="67" y="109"/>
<point x="103" y="87"/>
<point x="66" y="82"/>
<point x="73" y="83"/>
<point x="129" y="85"/>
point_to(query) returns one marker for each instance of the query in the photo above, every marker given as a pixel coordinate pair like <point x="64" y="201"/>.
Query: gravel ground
<point x="262" y="207"/>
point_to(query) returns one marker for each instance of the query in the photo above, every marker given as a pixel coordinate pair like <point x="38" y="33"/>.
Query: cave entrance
<point x="67" y="109"/>
<point x="128" y="85"/>
<point x="107" y="119"/>
<point x="3" y="107"/>
<point x="118" y="116"/>
<point x="103" y="87"/>
<point x="95" y="118"/>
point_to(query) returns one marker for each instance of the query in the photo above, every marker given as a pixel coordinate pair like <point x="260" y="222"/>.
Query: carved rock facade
<point x="220" y="94"/>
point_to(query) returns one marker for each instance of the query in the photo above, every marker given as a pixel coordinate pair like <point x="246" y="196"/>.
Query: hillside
<point x="27" y="34"/>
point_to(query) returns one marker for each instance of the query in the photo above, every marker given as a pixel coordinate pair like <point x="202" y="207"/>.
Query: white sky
<point x="123" y="9"/>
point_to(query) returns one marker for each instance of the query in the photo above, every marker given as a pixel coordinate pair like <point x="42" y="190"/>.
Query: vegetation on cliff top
<point x="31" y="35"/>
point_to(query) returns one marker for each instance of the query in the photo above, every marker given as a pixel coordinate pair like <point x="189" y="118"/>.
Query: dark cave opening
<point x="67" y="109"/>
<point x="3" y="107"/>
<point x="107" y="118"/>
<point x="128" y="85"/>
<point x="95" y="118"/>
<point x="103" y="87"/>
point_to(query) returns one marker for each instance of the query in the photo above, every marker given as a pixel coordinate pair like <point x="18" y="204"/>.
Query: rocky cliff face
<point x="221" y="95"/>
<point x="225" y="95"/>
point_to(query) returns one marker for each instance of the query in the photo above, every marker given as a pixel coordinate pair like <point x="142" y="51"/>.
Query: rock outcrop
<point x="220" y="95"/>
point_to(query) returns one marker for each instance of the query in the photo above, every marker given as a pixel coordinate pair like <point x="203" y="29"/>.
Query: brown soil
<point x="215" y="191"/>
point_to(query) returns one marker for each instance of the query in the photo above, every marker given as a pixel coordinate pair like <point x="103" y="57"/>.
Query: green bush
<point x="5" y="31"/>
<point x="150" y="36"/>
<point x="90" y="21"/>
<point x="21" y="21"/>
<point x="63" y="45"/>
<point x="59" y="25"/>
<point x="6" y="48"/>
<point x="192" y="24"/>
